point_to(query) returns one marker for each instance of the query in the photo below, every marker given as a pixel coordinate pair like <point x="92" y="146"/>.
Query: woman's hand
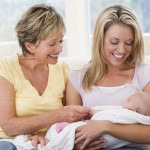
<point x="94" y="145"/>
<point x="73" y="113"/>
<point x="38" y="139"/>
<point x="91" y="131"/>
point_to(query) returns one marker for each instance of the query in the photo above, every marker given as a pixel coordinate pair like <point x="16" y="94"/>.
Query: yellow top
<point x="28" y="100"/>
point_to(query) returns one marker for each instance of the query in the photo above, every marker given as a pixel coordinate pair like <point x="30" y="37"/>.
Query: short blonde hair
<point x="114" y="14"/>
<point x="37" y="23"/>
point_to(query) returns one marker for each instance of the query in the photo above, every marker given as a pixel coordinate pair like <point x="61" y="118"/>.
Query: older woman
<point x="114" y="73"/>
<point x="32" y="84"/>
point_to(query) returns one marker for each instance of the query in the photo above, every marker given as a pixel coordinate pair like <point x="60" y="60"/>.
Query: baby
<point x="132" y="103"/>
<point x="137" y="104"/>
<point x="134" y="110"/>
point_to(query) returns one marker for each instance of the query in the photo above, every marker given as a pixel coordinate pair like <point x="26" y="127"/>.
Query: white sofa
<point x="77" y="62"/>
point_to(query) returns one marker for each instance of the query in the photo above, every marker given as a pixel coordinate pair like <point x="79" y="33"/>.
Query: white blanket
<point x="65" y="139"/>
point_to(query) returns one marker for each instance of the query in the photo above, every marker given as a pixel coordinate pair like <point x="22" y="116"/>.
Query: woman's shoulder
<point x="8" y="67"/>
<point x="142" y="73"/>
<point x="76" y="76"/>
<point x="61" y="69"/>
<point x="80" y="71"/>
<point x="9" y="58"/>
<point x="64" y="64"/>
<point x="142" y="67"/>
<point x="8" y="61"/>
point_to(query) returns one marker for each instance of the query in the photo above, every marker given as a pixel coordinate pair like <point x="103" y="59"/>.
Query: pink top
<point x="111" y="95"/>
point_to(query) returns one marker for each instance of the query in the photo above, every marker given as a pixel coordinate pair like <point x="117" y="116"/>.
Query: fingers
<point x="92" y="112"/>
<point x="43" y="141"/>
<point x="86" y="142"/>
<point x="96" y="142"/>
<point x="78" y="140"/>
<point x="38" y="140"/>
<point x="79" y="128"/>
<point x="78" y="132"/>
<point x="35" y="142"/>
<point x="88" y="117"/>
<point x="99" y="147"/>
<point x="78" y="137"/>
<point x="83" y="112"/>
<point x="73" y="113"/>
<point x="87" y="114"/>
<point x="29" y="139"/>
<point x="77" y="146"/>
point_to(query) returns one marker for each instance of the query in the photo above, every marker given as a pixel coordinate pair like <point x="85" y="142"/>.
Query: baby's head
<point x="138" y="105"/>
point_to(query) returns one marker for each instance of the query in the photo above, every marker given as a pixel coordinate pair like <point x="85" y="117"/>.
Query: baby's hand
<point x="92" y="112"/>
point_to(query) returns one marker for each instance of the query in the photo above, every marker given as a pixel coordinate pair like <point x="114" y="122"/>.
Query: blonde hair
<point x="37" y="23"/>
<point x="114" y="14"/>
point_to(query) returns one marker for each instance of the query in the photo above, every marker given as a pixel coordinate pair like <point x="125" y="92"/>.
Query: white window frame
<point x="77" y="43"/>
<point x="78" y="29"/>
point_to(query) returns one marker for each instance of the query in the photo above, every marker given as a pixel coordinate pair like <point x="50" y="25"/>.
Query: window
<point x="12" y="10"/>
<point x="140" y="7"/>
<point x="80" y="17"/>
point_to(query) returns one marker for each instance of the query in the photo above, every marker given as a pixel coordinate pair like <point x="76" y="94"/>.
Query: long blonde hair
<point x="114" y="14"/>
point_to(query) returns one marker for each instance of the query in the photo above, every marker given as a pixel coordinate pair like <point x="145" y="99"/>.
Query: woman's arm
<point x="136" y="133"/>
<point x="72" y="96"/>
<point x="13" y="125"/>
